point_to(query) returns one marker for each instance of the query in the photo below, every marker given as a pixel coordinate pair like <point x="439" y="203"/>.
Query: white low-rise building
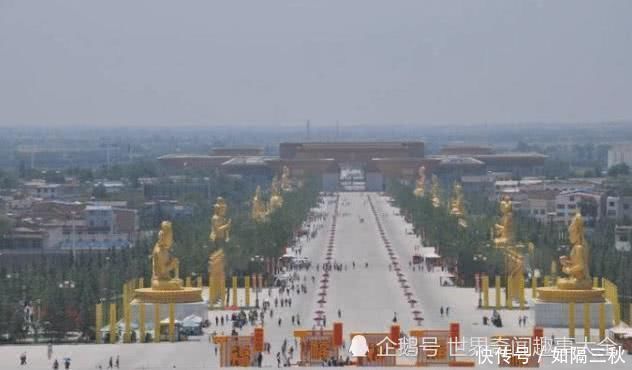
<point x="622" y="235"/>
<point x="568" y="203"/>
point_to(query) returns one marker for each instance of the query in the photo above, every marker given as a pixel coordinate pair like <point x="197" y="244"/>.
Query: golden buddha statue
<point x="578" y="286"/>
<point x="576" y="264"/>
<point x="515" y="271"/>
<point x="166" y="285"/>
<point x="163" y="263"/>
<point x="259" y="211"/>
<point x="420" y="187"/>
<point x="276" y="200"/>
<point x="504" y="230"/>
<point x="220" y="226"/>
<point x="286" y="182"/>
<point x="435" y="191"/>
<point x="457" y="207"/>
<point x="456" y="204"/>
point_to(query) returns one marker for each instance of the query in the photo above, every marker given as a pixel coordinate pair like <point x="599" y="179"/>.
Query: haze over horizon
<point x="160" y="63"/>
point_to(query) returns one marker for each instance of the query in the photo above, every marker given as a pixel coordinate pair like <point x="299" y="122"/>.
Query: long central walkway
<point x="368" y="295"/>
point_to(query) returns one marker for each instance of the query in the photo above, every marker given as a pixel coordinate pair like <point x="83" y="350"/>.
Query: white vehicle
<point x="300" y="262"/>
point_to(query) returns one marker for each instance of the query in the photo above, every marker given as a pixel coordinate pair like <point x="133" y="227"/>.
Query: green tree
<point x="620" y="169"/>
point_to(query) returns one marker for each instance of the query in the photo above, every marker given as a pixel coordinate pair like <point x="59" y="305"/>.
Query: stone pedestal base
<point x="555" y="315"/>
<point x="553" y="294"/>
<point x="183" y="295"/>
<point x="182" y="310"/>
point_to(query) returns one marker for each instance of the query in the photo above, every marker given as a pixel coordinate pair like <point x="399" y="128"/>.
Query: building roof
<point x="541" y="194"/>
<point x="187" y="155"/>
<point x="353" y="144"/>
<point x="459" y="161"/>
<point x="465" y="149"/>
<point x="580" y="192"/>
<point x="98" y="208"/>
<point x="247" y="161"/>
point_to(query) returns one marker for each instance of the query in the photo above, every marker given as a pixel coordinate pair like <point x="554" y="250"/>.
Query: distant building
<point x="102" y="227"/>
<point x="453" y="168"/>
<point x="622" y="238"/>
<point x="377" y="161"/>
<point x="180" y="161"/>
<point x="568" y="203"/>
<point x="540" y="205"/>
<point x="253" y="169"/>
<point x="466" y="149"/>
<point x="51" y="226"/>
<point x="43" y="190"/>
<point x="518" y="164"/>
<point x="238" y="151"/>
<point x="166" y="210"/>
<point x="620" y="153"/>
<point x="23" y="238"/>
<point x="111" y="187"/>
<point x="619" y="208"/>
<point x="478" y="184"/>
<point x="177" y="186"/>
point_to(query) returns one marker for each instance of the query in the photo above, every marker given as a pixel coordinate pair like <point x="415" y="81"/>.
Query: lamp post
<point x="259" y="260"/>
<point x="476" y="258"/>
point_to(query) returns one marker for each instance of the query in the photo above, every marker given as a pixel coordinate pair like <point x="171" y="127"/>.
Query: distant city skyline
<point x="359" y="62"/>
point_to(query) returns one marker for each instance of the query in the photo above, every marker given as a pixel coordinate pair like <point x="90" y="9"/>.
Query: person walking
<point x="23" y="358"/>
<point x="441" y="311"/>
<point x="56" y="365"/>
<point x="117" y="361"/>
<point x="447" y="311"/>
<point x="111" y="363"/>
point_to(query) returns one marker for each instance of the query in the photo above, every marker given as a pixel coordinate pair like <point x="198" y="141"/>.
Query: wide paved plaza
<point x="368" y="296"/>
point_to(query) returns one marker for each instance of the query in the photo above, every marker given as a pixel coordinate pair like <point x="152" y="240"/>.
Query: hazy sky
<point x="133" y="62"/>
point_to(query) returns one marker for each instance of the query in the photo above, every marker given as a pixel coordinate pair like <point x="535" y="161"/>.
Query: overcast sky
<point x="158" y="62"/>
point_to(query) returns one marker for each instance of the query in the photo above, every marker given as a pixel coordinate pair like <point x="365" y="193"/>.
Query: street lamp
<point x="67" y="284"/>
<point x="476" y="258"/>
<point x="258" y="260"/>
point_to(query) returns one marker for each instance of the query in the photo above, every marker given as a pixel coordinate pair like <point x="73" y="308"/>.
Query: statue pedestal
<point x="184" y="295"/>
<point x="555" y="314"/>
<point x="182" y="310"/>
<point x="579" y="296"/>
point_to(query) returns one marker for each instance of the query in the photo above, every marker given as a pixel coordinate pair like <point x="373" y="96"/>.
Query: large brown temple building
<point x="366" y="164"/>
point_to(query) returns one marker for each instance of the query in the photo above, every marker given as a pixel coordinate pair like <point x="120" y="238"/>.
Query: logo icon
<point x="358" y="347"/>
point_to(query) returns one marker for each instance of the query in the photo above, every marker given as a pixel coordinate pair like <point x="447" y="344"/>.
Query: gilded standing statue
<point x="420" y="184"/>
<point x="220" y="225"/>
<point x="504" y="230"/>
<point x="259" y="211"/>
<point x="435" y="191"/>
<point x="276" y="200"/>
<point x="286" y="182"/>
